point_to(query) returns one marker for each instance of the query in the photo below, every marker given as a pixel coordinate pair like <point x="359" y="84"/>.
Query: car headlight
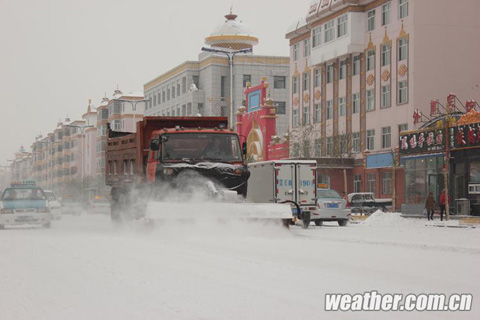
<point x="6" y="211"/>
<point x="43" y="210"/>
<point x="168" y="171"/>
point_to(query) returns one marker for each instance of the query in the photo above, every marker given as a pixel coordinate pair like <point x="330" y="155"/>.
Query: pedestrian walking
<point x="430" y="205"/>
<point x="443" y="197"/>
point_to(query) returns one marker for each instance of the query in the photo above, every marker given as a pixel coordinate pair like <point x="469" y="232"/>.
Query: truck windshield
<point x="201" y="146"/>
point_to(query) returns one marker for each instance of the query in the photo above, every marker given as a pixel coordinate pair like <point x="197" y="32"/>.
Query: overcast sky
<point x="57" y="54"/>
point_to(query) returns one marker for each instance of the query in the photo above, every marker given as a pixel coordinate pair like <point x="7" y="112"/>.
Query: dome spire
<point x="231" y="16"/>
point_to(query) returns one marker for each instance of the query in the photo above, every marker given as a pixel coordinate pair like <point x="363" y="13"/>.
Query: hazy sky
<point x="57" y="54"/>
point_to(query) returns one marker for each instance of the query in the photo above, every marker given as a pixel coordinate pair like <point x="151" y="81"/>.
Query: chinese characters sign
<point x="422" y="142"/>
<point x="465" y="136"/>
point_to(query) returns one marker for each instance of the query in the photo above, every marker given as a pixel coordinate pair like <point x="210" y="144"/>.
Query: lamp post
<point x="230" y="55"/>
<point x="82" y="165"/>
<point x="134" y="108"/>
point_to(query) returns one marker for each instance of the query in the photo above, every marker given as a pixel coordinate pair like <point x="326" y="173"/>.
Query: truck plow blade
<point x="214" y="210"/>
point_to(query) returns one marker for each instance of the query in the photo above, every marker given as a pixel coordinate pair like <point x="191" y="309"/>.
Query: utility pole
<point x="230" y="55"/>
<point x="450" y="101"/>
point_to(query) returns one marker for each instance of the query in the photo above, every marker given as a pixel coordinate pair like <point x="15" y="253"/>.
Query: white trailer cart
<point x="280" y="181"/>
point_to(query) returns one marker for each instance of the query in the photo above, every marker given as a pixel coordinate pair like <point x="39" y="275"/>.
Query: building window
<point x="189" y="109"/>
<point x="342" y="107"/>
<point x="342" y="73"/>
<point x="402" y="92"/>
<point x="278" y="82"/>
<point x="387" y="183"/>
<point x="385" y="55"/>
<point x="296" y="149"/>
<point x="371" y="20"/>
<point x="386" y="14"/>
<point x="343" y="144"/>
<point x="330" y="73"/>
<point x="385" y="96"/>
<point x="371" y="182"/>
<point x="281" y="107"/>
<point x="342" y="25"/>
<point x="196" y="81"/>
<point x="318" y="78"/>
<point x="318" y="148"/>
<point x="386" y="137"/>
<point x="356" y="103"/>
<point x="306" y="115"/>
<point x="306" y="47"/>
<point x="357" y="183"/>
<point x="223" y="81"/>
<point x="402" y="127"/>
<point x="371" y="139"/>
<point x="329" y="146"/>
<point x="370" y="60"/>
<point x="356" y="65"/>
<point x="184" y="85"/>
<point x="295" y="85"/>
<point x="163" y="96"/>
<point x="295" y="118"/>
<point x="356" y="142"/>
<point x="168" y="94"/>
<point x="402" y="8"/>
<point x="306" y="81"/>
<point x="329" y="109"/>
<point x="246" y="79"/>
<point x="178" y="88"/>
<point x="154" y="100"/>
<point x="318" y="113"/>
<point x="173" y="91"/>
<point x="316" y="33"/>
<point x="370" y="99"/>
<point x="296" y="47"/>
<point x="329" y="31"/>
<point x="402" y="49"/>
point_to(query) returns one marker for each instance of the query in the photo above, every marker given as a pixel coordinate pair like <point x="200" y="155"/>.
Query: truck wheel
<point x="286" y="223"/>
<point x="306" y="219"/>
<point x="342" y="223"/>
<point x="318" y="223"/>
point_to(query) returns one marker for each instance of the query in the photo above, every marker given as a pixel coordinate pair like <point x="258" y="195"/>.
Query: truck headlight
<point x="6" y="211"/>
<point x="168" y="171"/>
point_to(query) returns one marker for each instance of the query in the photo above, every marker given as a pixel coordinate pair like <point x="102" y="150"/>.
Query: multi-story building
<point x="90" y="142"/>
<point x="359" y="69"/>
<point x="22" y="165"/>
<point x="203" y="86"/>
<point x="121" y="113"/>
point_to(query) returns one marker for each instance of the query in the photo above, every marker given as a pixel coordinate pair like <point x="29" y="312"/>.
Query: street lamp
<point x="82" y="165"/>
<point x="134" y="108"/>
<point x="231" y="55"/>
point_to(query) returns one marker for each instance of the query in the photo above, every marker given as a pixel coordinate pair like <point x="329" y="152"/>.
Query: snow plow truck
<point x="184" y="166"/>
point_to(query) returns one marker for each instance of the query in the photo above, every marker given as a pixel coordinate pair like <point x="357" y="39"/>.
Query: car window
<point x="326" y="193"/>
<point x="23" y="194"/>
<point x="50" y="196"/>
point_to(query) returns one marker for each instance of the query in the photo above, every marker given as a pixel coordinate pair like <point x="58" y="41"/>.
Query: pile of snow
<point x="386" y="219"/>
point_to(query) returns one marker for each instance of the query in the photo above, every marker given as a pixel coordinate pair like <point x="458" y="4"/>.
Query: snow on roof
<point x="231" y="27"/>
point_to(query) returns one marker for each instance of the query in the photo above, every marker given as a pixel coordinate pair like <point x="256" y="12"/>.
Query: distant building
<point x="203" y="86"/>
<point x="21" y="167"/>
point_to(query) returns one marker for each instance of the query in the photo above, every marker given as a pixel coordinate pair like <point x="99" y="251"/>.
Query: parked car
<point x="100" y="205"/>
<point x="54" y="204"/>
<point x="365" y="203"/>
<point x="330" y="207"/>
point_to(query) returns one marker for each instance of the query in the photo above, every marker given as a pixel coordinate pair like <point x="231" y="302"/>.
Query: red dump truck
<point x="168" y="154"/>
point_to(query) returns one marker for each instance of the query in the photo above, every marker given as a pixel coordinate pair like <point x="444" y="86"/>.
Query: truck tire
<point x="318" y="223"/>
<point x="306" y="219"/>
<point x="342" y="223"/>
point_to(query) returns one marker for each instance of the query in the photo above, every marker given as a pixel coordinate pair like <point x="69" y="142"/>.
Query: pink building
<point x="90" y="142"/>
<point x="360" y="68"/>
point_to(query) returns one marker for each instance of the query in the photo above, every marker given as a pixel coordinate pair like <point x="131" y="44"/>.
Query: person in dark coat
<point x="430" y="205"/>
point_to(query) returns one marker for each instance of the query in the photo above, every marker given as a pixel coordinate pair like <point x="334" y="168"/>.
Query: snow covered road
<point x="83" y="268"/>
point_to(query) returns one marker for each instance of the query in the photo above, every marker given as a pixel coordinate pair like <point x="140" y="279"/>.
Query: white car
<point x="100" y="206"/>
<point x="330" y="207"/>
<point x="54" y="204"/>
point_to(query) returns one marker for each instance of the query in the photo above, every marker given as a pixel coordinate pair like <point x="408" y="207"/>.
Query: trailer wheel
<point x="306" y="219"/>
<point x="318" y="223"/>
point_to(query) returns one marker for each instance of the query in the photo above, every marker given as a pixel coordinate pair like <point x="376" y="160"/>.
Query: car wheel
<point x="342" y="223"/>
<point x="306" y="219"/>
<point x="318" y="223"/>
